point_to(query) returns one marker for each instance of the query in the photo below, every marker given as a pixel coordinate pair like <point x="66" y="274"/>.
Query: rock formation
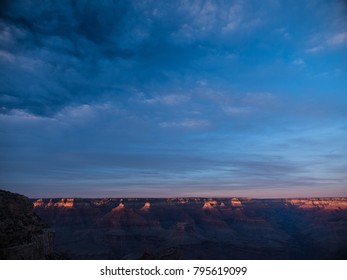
<point x="62" y="203"/>
<point x="65" y="202"/>
<point x="22" y="233"/>
<point x="197" y="228"/>
<point x="146" y="207"/>
<point x="317" y="203"/>
<point x="210" y="204"/>
<point x="39" y="203"/>
<point x="121" y="206"/>
<point x="235" y="202"/>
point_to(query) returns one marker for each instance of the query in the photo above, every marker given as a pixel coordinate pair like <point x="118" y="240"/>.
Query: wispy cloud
<point x="165" y="99"/>
<point x="20" y="115"/>
<point x="189" y="123"/>
<point x="315" y="49"/>
<point x="299" y="62"/>
<point x="324" y="41"/>
<point x="7" y="55"/>
<point x="231" y="110"/>
<point x="337" y="39"/>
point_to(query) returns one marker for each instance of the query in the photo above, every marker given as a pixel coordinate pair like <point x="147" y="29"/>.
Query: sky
<point x="153" y="98"/>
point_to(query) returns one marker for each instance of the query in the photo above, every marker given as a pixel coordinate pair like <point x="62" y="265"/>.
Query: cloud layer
<point x="173" y="98"/>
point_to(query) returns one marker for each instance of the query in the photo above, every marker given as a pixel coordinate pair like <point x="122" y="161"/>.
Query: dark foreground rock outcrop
<point x="22" y="233"/>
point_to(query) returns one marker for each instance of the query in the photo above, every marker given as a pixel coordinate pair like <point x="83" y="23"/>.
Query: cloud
<point x="299" y="62"/>
<point x="20" y="115"/>
<point x="203" y="17"/>
<point x="63" y="57"/>
<point x="83" y="51"/>
<point x="147" y="94"/>
<point x="337" y="39"/>
<point x="189" y="123"/>
<point x="174" y="99"/>
<point x="198" y="20"/>
<point x="231" y="110"/>
<point x="164" y="99"/>
<point x="326" y="41"/>
<point x="7" y="56"/>
<point x="315" y="49"/>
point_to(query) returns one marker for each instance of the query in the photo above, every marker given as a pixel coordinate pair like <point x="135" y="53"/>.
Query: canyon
<point x="196" y="228"/>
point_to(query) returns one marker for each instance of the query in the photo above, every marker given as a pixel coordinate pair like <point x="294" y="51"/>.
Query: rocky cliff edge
<point x="22" y="234"/>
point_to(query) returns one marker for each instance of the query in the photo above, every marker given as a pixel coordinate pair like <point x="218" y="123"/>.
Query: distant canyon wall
<point x="197" y="228"/>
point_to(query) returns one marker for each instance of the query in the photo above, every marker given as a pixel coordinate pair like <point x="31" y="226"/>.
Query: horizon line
<point x="189" y="197"/>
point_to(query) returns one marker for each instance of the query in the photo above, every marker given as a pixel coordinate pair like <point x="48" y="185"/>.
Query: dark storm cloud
<point x="53" y="50"/>
<point x="101" y="23"/>
<point x="76" y="52"/>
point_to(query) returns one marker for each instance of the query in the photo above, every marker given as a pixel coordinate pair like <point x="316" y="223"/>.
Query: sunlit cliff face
<point x="326" y="203"/>
<point x="50" y="203"/>
<point x="121" y="206"/>
<point x="39" y="203"/>
<point x="202" y="203"/>
<point x="67" y="203"/>
<point x="210" y="204"/>
<point x="64" y="202"/>
<point x="235" y="202"/>
<point x="146" y="207"/>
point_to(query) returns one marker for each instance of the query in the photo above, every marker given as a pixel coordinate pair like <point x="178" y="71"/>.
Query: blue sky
<point x="173" y="98"/>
